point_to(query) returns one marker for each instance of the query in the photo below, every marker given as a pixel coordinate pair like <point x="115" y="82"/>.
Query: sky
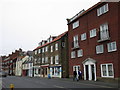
<point x="25" y="23"/>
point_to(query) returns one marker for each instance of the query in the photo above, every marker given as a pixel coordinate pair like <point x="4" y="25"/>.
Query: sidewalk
<point x="99" y="83"/>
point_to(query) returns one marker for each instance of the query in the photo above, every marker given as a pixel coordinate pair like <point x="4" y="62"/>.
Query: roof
<point x="57" y="38"/>
<point x="83" y="13"/>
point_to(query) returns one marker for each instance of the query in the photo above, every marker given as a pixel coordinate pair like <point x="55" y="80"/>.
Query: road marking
<point x="58" y="86"/>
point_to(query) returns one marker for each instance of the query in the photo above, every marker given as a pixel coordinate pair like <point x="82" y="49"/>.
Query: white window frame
<point x="56" y="46"/>
<point x="46" y="59"/>
<point x="43" y="50"/>
<point x="107" y="72"/>
<point x="80" y="53"/>
<point x="35" y="52"/>
<point x="75" y="24"/>
<point x="39" y="51"/>
<point x="104" y="33"/>
<point x="102" y="10"/>
<point x="73" y="54"/>
<point x="51" y="60"/>
<point x="75" y="41"/>
<point x="56" y="59"/>
<point x="51" y="48"/>
<point x="46" y="48"/>
<point x="112" y="46"/>
<point x="83" y="36"/>
<point x="92" y="33"/>
<point x="99" y="49"/>
<point x="43" y="60"/>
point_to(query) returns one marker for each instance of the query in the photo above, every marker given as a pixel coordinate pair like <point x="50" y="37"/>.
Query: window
<point x="80" y="53"/>
<point x="43" y="60"/>
<point x="46" y="59"/>
<point x="112" y="46"/>
<point x="99" y="49"/>
<point x="107" y="70"/>
<point x="102" y="10"/>
<point x="75" y="41"/>
<point x="35" y="52"/>
<point x="51" y="48"/>
<point x="83" y="36"/>
<point x="39" y="51"/>
<point x="35" y="61"/>
<point x="76" y="67"/>
<point x="56" y="46"/>
<point x="46" y="48"/>
<point x="56" y="59"/>
<point x="104" y="34"/>
<point x="73" y="54"/>
<point x="51" y="61"/>
<point x="92" y="33"/>
<point x="43" y="50"/>
<point x="75" y="24"/>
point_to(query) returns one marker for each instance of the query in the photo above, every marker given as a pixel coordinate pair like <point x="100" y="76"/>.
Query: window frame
<point x="83" y="36"/>
<point x="75" y="24"/>
<point x="98" y="51"/>
<point x="111" y="44"/>
<point x="93" y="33"/>
<point x="73" y="54"/>
<point x="80" y="53"/>
<point x="107" y="71"/>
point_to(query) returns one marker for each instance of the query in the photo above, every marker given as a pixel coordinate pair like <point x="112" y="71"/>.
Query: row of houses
<point x="91" y="45"/>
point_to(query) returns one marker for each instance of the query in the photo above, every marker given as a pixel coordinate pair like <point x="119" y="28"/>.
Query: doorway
<point x="89" y="69"/>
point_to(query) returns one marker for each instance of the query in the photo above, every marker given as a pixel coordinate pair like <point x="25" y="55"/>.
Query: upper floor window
<point x="46" y="48"/>
<point x="39" y="51"/>
<point x="51" y="60"/>
<point x="56" y="59"/>
<point x="102" y="10"/>
<point x="107" y="70"/>
<point x="56" y="46"/>
<point x="75" y="41"/>
<point x="112" y="46"/>
<point x="104" y="33"/>
<point x="83" y="36"/>
<point x="80" y="53"/>
<point x="43" y="60"/>
<point x="35" y="52"/>
<point x="75" y="24"/>
<point x="73" y="54"/>
<point x="46" y="59"/>
<point x="51" y="48"/>
<point x="43" y="50"/>
<point x="92" y="33"/>
<point x="99" y="49"/>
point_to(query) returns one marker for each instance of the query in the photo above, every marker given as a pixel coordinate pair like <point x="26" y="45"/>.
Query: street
<point x="36" y="82"/>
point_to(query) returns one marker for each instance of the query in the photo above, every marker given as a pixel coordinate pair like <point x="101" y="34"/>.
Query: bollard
<point x="11" y="86"/>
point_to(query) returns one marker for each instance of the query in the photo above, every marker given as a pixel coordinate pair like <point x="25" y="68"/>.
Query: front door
<point x="89" y="69"/>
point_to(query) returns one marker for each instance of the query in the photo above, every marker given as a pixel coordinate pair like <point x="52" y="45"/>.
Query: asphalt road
<point x="27" y="82"/>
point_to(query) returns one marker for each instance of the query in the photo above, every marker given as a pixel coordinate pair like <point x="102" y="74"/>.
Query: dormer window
<point x="75" y="24"/>
<point x="102" y="10"/>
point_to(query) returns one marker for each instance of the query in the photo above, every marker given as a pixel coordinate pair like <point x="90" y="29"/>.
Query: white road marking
<point x="58" y="86"/>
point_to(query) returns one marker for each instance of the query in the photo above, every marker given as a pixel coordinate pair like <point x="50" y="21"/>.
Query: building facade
<point x="93" y="37"/>
<point x="51" y="57"/>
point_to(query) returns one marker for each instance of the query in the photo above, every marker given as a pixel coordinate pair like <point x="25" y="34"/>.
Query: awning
<point x="54" y="66"/>
<point x="44" y="65"/>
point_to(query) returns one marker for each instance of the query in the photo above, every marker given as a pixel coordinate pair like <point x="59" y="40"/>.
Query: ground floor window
<point x="107" y="70"/>
<point x="76" y="67"/>
<point x="55" y="71"/>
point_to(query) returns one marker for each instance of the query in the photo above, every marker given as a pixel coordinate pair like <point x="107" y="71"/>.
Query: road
<point x="27" y="82"/>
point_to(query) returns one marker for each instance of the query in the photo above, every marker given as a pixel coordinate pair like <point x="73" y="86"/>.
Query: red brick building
<point x="93" y="37"/>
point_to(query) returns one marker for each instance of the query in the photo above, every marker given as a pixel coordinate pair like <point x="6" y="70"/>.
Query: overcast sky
<point x="24" y="23"/>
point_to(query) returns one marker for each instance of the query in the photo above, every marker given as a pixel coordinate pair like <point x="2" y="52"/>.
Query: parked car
<point x="3" y="74"/>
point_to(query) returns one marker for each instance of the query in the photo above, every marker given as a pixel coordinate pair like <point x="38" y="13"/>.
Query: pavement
<point x="39" y="82"/>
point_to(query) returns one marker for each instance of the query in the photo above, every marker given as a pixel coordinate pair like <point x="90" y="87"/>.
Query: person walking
<point x="75" y="75"/>
<point x="79" y="75"/>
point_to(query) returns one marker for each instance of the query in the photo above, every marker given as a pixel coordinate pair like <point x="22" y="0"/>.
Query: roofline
<point x="52" y="40"/>
<point x="85" y="12"/>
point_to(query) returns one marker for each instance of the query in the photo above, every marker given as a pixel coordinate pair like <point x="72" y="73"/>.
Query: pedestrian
<point x="75" y="75"/>
<point x="79" y="75"/>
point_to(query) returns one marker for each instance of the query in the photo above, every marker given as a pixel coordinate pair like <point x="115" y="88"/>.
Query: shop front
<point x="56" y="71"/>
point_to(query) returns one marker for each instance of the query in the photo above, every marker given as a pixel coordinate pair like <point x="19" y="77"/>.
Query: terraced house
<point x="93" y="37"/>
<point x="50" y="57"/>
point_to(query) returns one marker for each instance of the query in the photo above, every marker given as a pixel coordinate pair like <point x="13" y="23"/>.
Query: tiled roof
<point x="57" y="38"/>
